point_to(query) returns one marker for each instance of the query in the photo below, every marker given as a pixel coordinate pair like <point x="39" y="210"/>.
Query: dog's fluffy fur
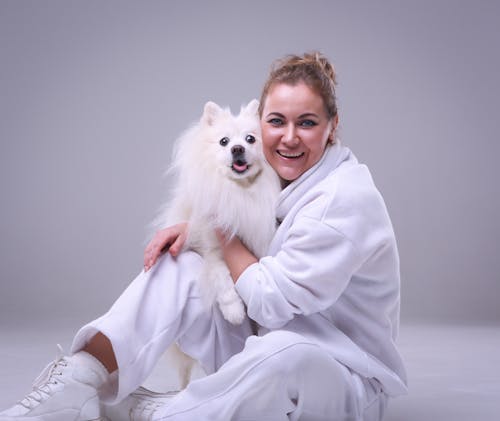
<point x="223" y="180"/>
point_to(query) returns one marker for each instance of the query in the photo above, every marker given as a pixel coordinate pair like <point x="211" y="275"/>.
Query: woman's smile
<point x="290" y="155"/>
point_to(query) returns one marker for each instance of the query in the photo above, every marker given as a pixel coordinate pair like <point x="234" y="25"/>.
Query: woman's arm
<point x="172" y="239"/>
<point x="236" y="255"/>
<point x="307" y="275"/>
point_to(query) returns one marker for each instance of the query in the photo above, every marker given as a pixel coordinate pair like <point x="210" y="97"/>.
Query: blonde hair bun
<point x="313" y="69"/>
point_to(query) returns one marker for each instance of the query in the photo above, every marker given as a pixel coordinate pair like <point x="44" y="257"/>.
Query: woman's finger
<point x="155" y="247"/>
<point x="177" y="245"/>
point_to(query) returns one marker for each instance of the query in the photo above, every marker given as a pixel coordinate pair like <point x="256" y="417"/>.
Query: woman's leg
<point x="279" y="376"/>
<point x="159" y="307"/>
<point x="100" y="347"/>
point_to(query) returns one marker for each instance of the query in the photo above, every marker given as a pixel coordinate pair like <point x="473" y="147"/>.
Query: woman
<point x="326" y="298"/>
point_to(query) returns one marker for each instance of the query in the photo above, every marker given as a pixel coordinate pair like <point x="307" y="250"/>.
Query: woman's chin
<point x="287" y="175"/>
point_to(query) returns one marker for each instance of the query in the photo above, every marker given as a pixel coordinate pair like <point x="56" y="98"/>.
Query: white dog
<point x="223" y="180"/>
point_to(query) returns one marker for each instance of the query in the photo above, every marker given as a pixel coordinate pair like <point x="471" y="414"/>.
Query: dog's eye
<point x="250" y="138"/>
<point x="224" y="141"/>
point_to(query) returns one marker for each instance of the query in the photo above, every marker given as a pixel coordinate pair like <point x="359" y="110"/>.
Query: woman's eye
<point x="307" y="123"/>
<point x="250" y="138"/>
<point x="275" y="121"/>
<point x="224" y="141"/>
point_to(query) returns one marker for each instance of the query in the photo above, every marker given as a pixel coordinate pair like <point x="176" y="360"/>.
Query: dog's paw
<point x="232" y="307"/>
<point x="234" y="314"/>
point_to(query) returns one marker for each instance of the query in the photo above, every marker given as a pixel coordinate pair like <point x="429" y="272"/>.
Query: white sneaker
<point x="64" y="391"/>
<point x="140" y="405"/>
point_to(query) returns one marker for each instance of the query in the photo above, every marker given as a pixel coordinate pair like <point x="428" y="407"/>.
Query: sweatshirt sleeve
<point x="308" y="274"/>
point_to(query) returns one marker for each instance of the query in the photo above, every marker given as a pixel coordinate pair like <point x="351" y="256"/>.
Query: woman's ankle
<point x="101" y="349"/>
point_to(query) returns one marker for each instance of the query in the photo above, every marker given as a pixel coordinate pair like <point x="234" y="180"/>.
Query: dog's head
<point x="233" y="142"/>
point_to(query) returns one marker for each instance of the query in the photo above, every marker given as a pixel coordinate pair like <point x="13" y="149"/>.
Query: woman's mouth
<point x="290" y="155"/>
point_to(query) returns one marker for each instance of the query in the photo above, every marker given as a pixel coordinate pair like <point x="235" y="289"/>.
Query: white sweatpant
<point x="277" y="376"/>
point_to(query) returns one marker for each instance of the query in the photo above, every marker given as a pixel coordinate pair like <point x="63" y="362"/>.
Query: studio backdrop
<point x="94" y="93"/>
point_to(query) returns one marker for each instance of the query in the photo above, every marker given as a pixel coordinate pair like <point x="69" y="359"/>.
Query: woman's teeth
<point x="290" y="154"/>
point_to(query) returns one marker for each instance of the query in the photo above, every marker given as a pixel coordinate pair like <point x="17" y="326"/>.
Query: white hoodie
<point x="332" y="273"/>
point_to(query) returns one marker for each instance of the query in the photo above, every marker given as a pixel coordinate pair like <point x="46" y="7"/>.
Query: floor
<point x="454" y="371"/>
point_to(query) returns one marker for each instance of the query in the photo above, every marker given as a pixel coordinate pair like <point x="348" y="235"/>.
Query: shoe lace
<point x="42" y="386"/>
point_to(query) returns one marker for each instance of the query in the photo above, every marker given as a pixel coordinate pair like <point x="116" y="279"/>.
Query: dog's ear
<point x="210" y="113"/>
<point x="252" y="108"/>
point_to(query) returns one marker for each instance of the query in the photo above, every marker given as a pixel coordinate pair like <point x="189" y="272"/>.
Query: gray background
<point x="93" y="93"/>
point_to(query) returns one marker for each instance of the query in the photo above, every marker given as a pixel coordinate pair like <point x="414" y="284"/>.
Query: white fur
<point x="209" y="194"/>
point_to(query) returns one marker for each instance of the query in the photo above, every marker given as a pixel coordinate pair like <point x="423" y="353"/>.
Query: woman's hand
<point x="169" y="239"/>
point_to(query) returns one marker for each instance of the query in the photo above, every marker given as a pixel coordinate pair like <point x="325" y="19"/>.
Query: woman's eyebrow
<point x="305" y="115"/>
<point x="275" y="114"/>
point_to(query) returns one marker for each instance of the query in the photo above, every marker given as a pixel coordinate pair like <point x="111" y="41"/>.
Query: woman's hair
<point x="313" y="69"/>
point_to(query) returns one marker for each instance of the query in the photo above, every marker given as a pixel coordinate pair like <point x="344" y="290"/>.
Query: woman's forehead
<point x="298" y="98"/>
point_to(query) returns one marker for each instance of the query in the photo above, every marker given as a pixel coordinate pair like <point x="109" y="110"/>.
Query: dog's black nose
<point x="237" y="150"/>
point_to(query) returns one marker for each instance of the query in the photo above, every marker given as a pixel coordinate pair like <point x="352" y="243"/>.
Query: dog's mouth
<point x="240" y="166"/>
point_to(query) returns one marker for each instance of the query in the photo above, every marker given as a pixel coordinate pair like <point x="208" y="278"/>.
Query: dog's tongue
<point x="240" y="167"/>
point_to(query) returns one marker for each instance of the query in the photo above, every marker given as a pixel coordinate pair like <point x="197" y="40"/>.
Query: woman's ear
<point x="335" y="123"/>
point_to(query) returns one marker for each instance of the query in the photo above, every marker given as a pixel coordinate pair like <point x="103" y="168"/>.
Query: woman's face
<point x="295" y="129"/>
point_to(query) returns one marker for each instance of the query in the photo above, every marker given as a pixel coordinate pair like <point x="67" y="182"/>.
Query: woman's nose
<point x="290" y="135"/>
